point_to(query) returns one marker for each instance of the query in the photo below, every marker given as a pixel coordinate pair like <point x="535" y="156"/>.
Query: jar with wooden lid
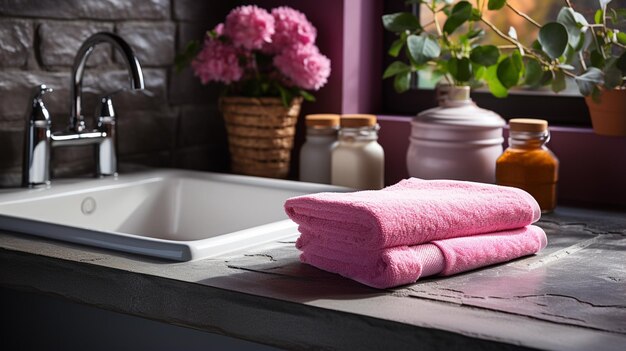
<point x="358" y="160"/>
<point x="315" y="154"/>
<point x="528" y="164"/>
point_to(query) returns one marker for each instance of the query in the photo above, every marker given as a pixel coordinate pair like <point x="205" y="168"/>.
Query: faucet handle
<point x="105" y="110"/>
<point x="106" y="150"/>
<point x="37" y="110"/>
<point x="36" y="162"/>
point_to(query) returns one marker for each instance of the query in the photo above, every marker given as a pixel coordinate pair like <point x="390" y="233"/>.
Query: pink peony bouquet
<point x="256" y="53"/>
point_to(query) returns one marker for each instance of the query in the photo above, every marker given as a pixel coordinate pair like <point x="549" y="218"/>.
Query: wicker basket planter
<point x="260" y="134"/>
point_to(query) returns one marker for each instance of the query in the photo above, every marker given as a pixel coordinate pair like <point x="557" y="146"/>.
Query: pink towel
<point x="412" y="212"/>
<point x="406" y="264"/>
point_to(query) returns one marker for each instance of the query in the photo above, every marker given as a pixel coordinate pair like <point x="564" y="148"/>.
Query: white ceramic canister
<point x="457" y="140"/>
<point x="321" y="139"/>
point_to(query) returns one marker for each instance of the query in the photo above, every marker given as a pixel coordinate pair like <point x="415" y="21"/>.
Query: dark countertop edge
<point x="241" y="315"/>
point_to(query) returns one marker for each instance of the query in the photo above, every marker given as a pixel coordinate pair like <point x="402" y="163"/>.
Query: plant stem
<point x="525" y="16"/>
<point x="569" y="4"/>
<point x="582" y="61"/>
<point x="528" y="52"/>
<point x="502" y="35"/>
<point x="428" y="24"/>
<point x="434" y="11"/>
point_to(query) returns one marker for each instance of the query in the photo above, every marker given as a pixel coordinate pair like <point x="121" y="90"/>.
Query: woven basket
<point x="260" y="134"/>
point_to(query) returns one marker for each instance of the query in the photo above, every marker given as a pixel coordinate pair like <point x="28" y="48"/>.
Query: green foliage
<point x="496" y="4"/>
<point x="589" y="79"/>
<point x="422" y="49"/>
<point x="593" y="55"/>
<point x="510" y="70"/>
<point x="485" y="55"/>
<point x="458" y="58"/>
<point x="401" y="22"/>
<point x="183" y="59"/>
<point x="553" y="38"/>
<point x="461" y="13"/>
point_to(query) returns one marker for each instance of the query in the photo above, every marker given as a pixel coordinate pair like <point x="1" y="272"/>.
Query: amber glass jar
<point x="528" y="164"/>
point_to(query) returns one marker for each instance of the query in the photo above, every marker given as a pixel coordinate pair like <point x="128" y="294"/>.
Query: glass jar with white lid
<point x="358" y="161"/>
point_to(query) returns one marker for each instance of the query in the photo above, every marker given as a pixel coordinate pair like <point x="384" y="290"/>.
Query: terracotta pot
<point x="260" y="134"/>
<point x="608" y="116"/>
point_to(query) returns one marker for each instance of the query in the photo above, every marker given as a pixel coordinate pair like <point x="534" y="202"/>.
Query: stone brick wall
<point x="172" y="123"/>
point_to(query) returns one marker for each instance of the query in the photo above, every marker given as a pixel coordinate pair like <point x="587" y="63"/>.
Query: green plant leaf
<point x="306" y="95"/>
<point x="396" y="67"/>
<point x="461" y="12"/>
<point x="475" y="33"/>
<point x="401" y="82"/>
<point x="183" y="59"/>
<point x="460" y="69"/>
<point x="596" y="58"/>
<point x="509" y="71"/>
<point x="479" y="72"/>
<point x="401" y="21"/>
<point x="422" y="48"/>
<point x="597" y="18"/>
<point x="496" y="4"/>
<point x="285" y="95"/>
<point x="588" y="80"/>
<point x="621" y="63"/>
<point x="495" y="87"/>
<point x="476" y="15"/>
<point x="621" y="38"/>
<point x="558" y="82"/>
<point x="534" y="73"/>
<point x="566" y="67"/>
<point x="573" y="22"/>
<point x="395" y="48"/>
<point x="612" y="77"/>
<point x="553" y="38"/>
<point x="485" y="55"/>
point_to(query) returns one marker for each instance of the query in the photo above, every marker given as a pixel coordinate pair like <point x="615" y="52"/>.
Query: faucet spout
<point x="77" y="122"/>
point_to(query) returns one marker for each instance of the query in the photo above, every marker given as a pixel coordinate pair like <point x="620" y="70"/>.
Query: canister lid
<point x="528" y="125"/>
<point x="322" y="120"/>
<point x="356" y="121"/>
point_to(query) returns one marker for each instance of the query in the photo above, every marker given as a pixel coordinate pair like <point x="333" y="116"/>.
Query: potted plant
<point x="266" y="63"/>
<point x="593" y="55"/>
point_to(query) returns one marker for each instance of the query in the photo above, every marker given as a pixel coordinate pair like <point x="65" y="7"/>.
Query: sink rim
<point x="178" y="250"/>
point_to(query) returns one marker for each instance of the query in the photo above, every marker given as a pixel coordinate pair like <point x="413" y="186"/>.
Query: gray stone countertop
<point x="571" y="296"/>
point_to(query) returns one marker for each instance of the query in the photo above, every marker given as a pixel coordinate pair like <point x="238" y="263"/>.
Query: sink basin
<point x="171" y="214"/>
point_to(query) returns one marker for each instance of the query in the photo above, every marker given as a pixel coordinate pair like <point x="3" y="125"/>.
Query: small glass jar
<point x="528" y="164"/>
<point x="358" y="161"/>
<point x="315" y="154"/>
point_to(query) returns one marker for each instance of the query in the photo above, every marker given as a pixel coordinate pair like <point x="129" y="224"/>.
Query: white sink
<point x="172" y="214"/>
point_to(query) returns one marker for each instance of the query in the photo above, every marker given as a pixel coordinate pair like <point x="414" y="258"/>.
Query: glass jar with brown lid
<point x="528" y="164"/>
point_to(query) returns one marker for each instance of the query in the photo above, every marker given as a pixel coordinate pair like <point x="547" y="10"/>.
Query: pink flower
<point x="217" y="61"/>
<point x="292" y="29"/>
<point x="249" y="27"/>
<point x="304" y="66"/>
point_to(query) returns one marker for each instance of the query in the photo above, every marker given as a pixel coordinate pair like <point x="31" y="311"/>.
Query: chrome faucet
<point x="39" y="139"/>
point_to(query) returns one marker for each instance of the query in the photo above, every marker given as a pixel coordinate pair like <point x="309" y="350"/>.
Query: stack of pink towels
<point x="416" y="228"/>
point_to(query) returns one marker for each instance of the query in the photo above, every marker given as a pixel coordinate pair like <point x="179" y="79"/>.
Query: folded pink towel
<point x="406" y="264"/>
<point x="412" y="212"/>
